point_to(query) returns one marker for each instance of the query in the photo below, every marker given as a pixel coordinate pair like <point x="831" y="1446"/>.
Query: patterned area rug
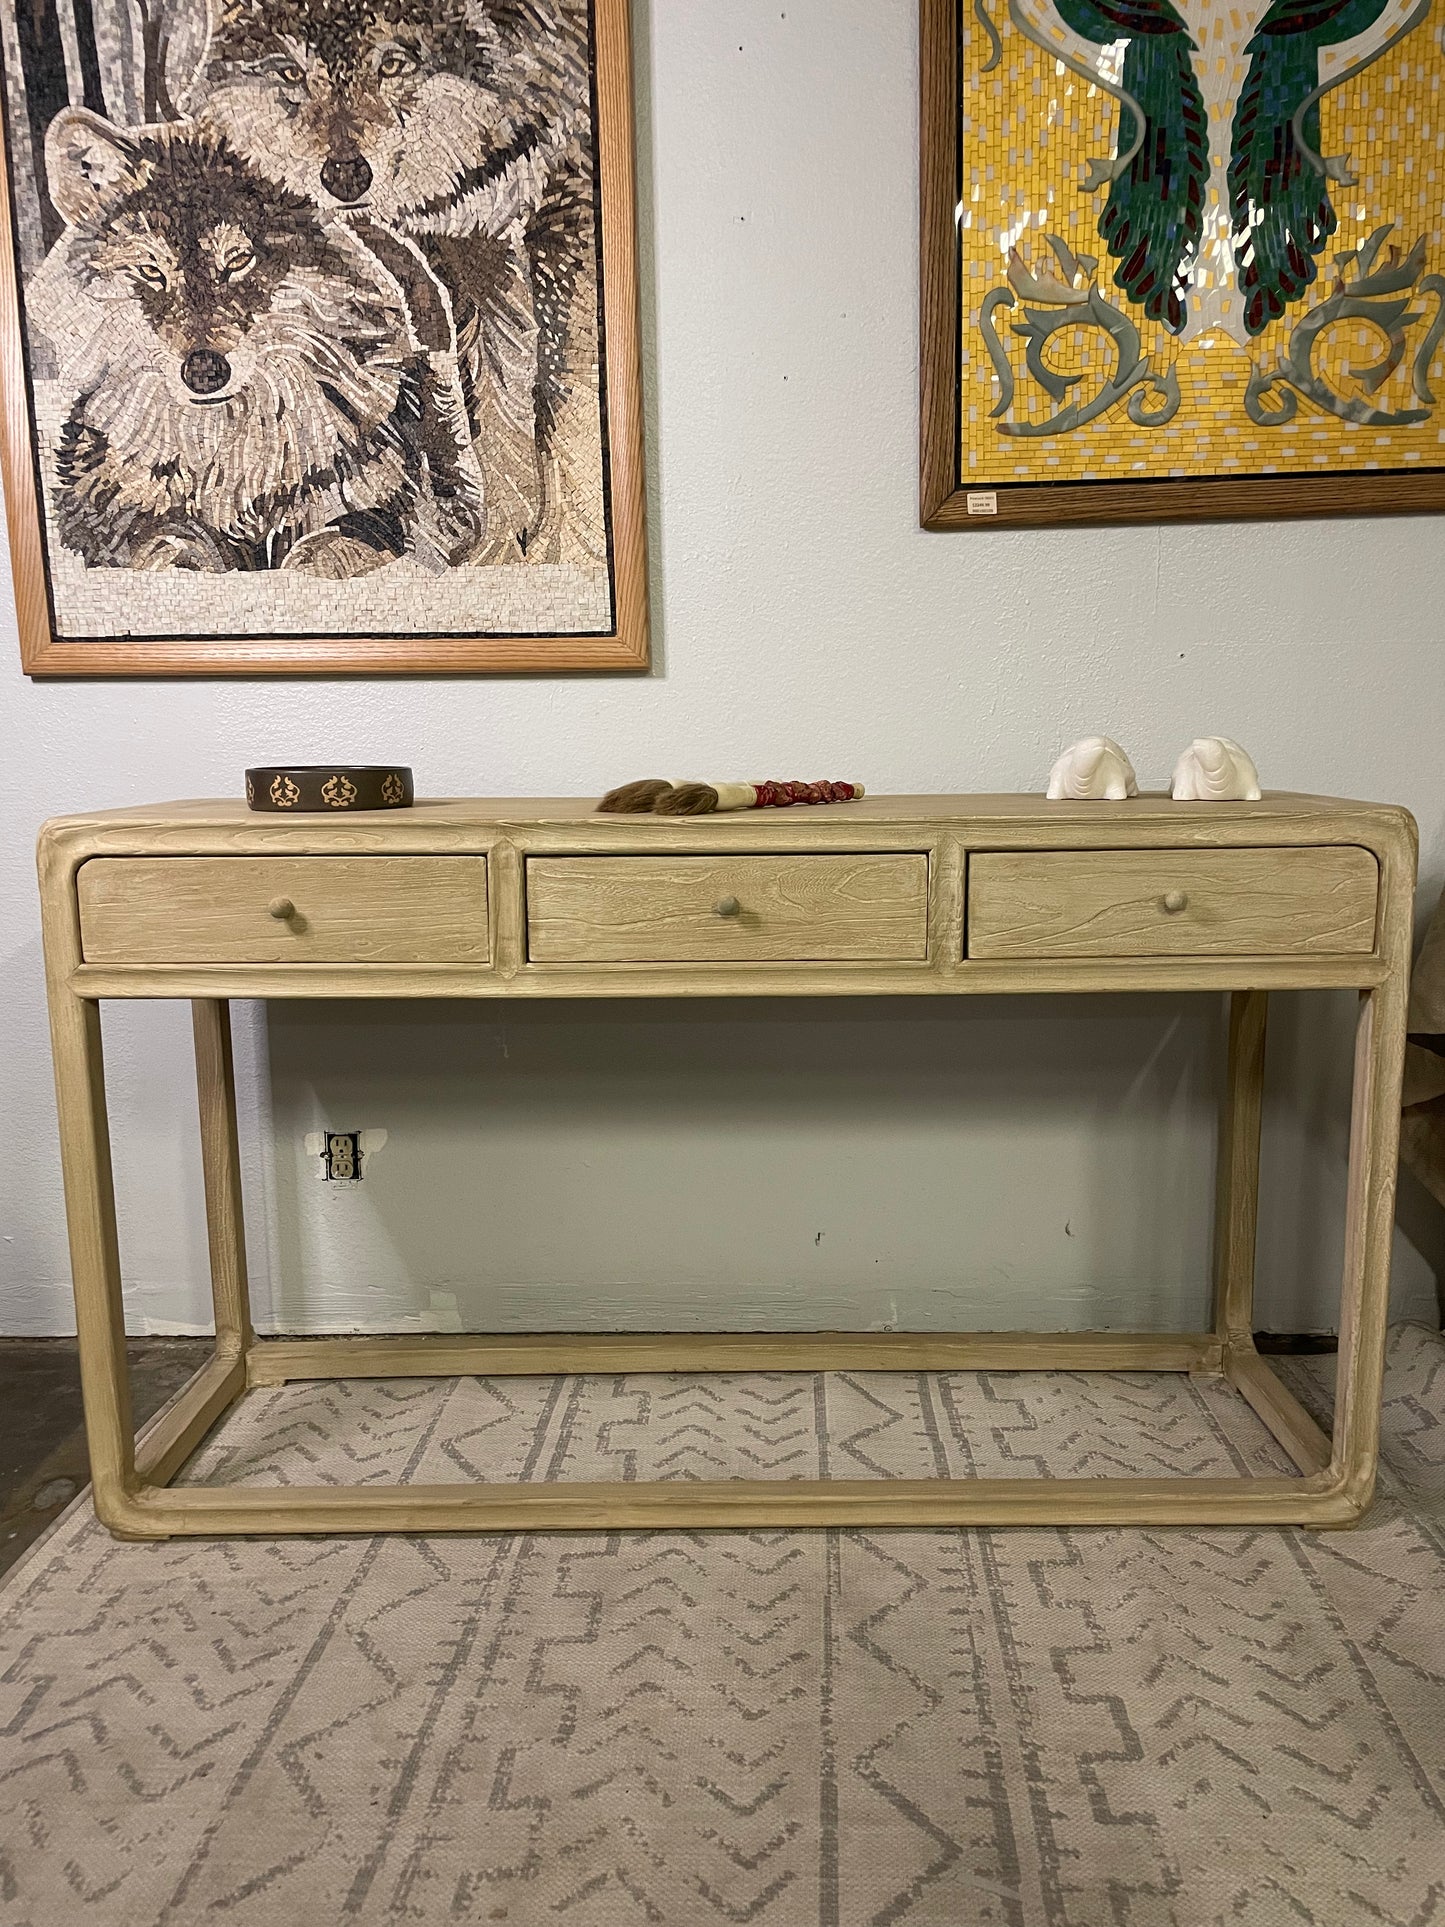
<point x="931" y="1728"/>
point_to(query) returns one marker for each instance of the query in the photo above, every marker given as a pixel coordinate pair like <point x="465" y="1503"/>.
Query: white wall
<point x="991" y="1163"/>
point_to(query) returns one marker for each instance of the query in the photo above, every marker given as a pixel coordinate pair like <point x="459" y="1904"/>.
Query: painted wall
<point x="993" y="1163"/>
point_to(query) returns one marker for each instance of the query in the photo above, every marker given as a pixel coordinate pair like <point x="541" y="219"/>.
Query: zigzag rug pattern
<point x="1037" y="1728"/>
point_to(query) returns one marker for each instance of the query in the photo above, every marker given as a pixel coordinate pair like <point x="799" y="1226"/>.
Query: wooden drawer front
<point x="230" y="909"/>
<point x="1171" y="903"/>
<point x="788" y="909"/>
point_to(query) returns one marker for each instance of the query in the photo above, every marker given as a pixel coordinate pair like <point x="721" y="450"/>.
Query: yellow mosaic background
<point x="1029" y="129"/>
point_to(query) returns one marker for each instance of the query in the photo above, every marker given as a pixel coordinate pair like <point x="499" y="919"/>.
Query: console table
<point x="934" y="896"/>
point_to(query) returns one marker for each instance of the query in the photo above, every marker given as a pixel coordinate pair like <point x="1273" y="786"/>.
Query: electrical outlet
<point x="341" y="1157"/>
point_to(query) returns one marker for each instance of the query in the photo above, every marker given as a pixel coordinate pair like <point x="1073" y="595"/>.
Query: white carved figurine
<point x="1093" y="769"/>
<point x="1213" y="769"/>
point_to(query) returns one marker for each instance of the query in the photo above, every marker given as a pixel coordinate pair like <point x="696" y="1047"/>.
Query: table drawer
<point x="727" y="909"/>
<point x="232" y="909"/>
<point x="1171" y="903"/>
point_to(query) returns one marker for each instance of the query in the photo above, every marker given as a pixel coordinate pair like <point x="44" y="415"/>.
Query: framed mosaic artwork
<point x="319" y="336"/>
<point x="1181" y="260"/>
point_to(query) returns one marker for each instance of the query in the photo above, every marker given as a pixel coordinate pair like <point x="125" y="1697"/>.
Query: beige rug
<point x="936" y="1729"/>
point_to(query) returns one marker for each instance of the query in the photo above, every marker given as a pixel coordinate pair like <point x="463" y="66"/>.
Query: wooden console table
<point x="910" y="896"/>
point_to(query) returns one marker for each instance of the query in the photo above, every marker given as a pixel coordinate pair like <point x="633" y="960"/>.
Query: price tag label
<point x="982" y="501"/>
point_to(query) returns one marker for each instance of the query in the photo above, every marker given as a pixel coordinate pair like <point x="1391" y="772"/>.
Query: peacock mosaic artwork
<point x="1199" y="240"/>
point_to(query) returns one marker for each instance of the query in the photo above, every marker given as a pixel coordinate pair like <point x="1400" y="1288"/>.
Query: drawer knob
<point x="728" y="907"/>
<point x="1174" y="901"/>
<point x="281" y="908"/>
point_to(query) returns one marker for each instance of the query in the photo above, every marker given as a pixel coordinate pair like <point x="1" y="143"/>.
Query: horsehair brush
<point x="654" y="797"/>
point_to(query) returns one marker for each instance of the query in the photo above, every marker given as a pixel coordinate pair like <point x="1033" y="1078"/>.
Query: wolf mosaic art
<point x="313" y="322"/>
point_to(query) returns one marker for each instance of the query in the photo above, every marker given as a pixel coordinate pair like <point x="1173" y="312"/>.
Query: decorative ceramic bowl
<point x="323" y="787"/>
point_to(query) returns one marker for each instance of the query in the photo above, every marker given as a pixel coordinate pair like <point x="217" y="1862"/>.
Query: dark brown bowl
<point x="328" y="787"/>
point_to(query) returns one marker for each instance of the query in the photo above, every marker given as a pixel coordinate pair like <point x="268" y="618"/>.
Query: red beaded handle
<point x="778" y="796"/>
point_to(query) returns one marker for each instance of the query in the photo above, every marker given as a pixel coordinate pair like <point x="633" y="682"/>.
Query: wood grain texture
<point x="943" y="496"/>
<point x="727" y="909"/>
<point x="1369" y="1226"/>
<point x="1260" y="852"/>
<point x="938" y="316"/>
<point x="175" y="1433"/>
<point x="1370" y="1183"/>
<point x="509" y="908"/>
<point x="22" y="510"/>
<point x="955" y="831"/>
<point x="85" y="1163"/>
<point x="221" y="1175"/>
<point x="736" y="1505"/>
<point x="1264" y="498"/>
<point x="1281" y="1411"/>
<point x="629" y="648"/>
<point x="412" y="909"/>
<point x="279" y="1361"/>
<point x="984" y="819"/>
<point x="1236" y="1178"/>
<point x="626" y="648"/>
<point x="1071" y="975"/>
<point x="947" y="876"/>
<point x="1179" y="904"/>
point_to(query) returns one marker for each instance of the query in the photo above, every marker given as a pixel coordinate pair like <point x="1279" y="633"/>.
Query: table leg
<point x="171" y="1440"/>
<point x="221" y="1169"/>
<point x="1237" y="1181"/>
<point x="1369" y="1227"/>
<point x="94" y="1253"/>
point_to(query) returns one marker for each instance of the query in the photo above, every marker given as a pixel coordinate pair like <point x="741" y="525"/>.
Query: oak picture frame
<point x="622" y="647"/>
<point x="945" y="492"/>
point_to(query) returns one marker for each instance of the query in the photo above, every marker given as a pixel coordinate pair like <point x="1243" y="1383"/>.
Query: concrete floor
<point x="42" y="1432"/>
